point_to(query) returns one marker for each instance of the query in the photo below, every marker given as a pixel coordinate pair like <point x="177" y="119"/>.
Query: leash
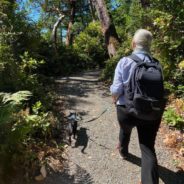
<point x="97" y="117"/>
<point x="100" y="145"/>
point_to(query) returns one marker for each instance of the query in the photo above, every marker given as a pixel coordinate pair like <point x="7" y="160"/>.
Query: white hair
<point x="142" y="39"/>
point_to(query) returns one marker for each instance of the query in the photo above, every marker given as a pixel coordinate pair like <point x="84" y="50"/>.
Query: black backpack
<point x="144" y="93"/>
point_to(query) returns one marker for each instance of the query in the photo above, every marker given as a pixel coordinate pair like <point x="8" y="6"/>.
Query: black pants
<point x="147" y="131"/>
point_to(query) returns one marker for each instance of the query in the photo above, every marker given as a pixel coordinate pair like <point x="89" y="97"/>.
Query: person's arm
<point x="117" y="86"/>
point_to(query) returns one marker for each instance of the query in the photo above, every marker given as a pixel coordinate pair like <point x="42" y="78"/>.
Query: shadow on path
<point x="79" y="85"/>
<point x="166" y="175"/>
<point x="77" y="89"/>
<point x="81" y="176"/>
<point x="82" y="139"/>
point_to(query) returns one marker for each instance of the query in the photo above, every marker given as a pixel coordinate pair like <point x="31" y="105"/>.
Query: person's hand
<point x="114" y="99"/>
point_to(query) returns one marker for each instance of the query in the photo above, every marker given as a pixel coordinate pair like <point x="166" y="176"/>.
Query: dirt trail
<point x="93" y="158"/>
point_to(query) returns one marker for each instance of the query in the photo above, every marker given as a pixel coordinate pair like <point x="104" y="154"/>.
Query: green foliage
<point x="167" y="21"/>
<point x="124" y="50"/>
<point x="10" y="104"/>
<point x="66" y="62"/>
<point x="173" y="119"/>
<point x="20" y="64"/>
<point x="169" y="41"/>
<point x="7" y="60"/>
<point x="8" y="69"/>
<point x="137" y="17"/>
<point x="173" y="115"/>
<point x="28" y="125"/>
<point x="16" y="36"/>
<point x="18" y="127"/>
<point x="88" y="51"/>
<point x="28" y="64"/>
<point x="89" y="44"/>
<point x="27" y="68"/>
<point x="178" y="82"/>
<point x="20" y="124"/>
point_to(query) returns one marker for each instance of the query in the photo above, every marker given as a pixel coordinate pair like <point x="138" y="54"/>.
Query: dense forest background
<point x="40" y="39"/>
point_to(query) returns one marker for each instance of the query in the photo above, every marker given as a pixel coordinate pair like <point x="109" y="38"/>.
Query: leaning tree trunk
<point x="111" y="37"/>
<point x="54" y="32"/>
<point x="69" y="37"/>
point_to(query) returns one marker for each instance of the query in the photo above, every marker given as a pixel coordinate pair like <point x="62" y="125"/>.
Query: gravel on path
<point x="93" y="157"/>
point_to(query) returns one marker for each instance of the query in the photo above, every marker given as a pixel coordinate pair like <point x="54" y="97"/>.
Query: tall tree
<point x="69" y="37"/>
<point x="54" y="31"/>
<point x="54" y="9"/>
<point x="111" y="37"/>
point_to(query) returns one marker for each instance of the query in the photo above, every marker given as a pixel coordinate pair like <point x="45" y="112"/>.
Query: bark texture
<point x="92" y="9"/>
<point x="111" y="37"/>
<point x="69" y="37"/>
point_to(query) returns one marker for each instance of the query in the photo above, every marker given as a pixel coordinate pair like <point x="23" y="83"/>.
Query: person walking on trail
<point x="139" y="102"/>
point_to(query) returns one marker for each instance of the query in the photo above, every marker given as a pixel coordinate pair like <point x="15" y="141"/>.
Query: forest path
<point x="93" y="157"/>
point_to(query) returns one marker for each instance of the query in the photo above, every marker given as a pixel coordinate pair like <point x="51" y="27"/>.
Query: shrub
<point x="10" y="105"/>
<point x="19" y="129"/>
<point x="173" y="119"/>
<point x="108" y="72"/>
<point x="89" y="44"/>
<point x="173" y="115"/>
<point x="35" y="125"/>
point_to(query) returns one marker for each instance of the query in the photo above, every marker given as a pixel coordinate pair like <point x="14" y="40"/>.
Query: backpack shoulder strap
<point x="135" y="58"/>
<point x="139" y="60"/>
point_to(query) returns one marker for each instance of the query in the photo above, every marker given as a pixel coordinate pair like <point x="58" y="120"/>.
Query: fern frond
<point x="10" y="103"/>
<point x="15" y="98"/>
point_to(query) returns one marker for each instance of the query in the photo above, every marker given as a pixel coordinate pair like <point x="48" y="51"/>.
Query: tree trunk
<point x="54" y="32"/>
<point x="69" y="37"/>
<point x="145" y="3"/>
<point x="92" y="10"/>
<point x="111" y="38"/>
